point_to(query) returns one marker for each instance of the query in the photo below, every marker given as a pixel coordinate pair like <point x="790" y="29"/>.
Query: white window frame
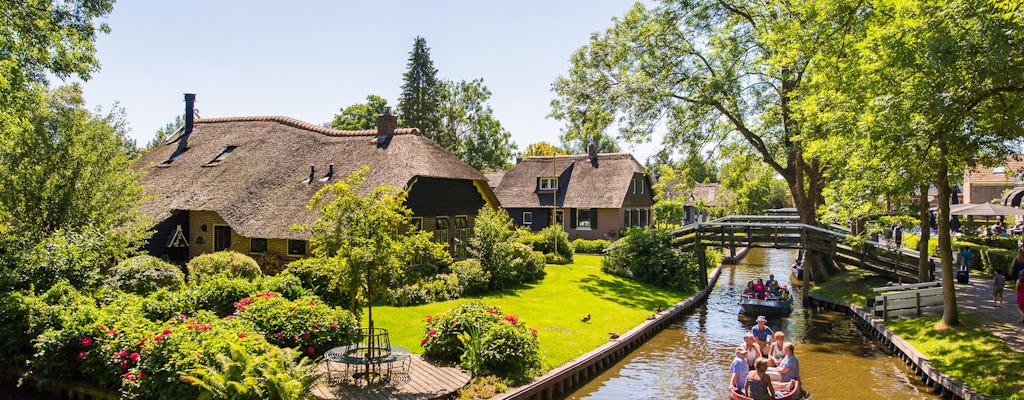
<point x="527" y="218"/>
<point x="548" y="183"/>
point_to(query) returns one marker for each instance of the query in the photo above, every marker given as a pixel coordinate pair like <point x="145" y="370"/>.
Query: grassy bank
<point x="968" y="353"/>
<point x="553" y="307"/>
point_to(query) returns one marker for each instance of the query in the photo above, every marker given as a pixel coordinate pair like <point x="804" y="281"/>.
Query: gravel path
<point x="1005" y="322"/>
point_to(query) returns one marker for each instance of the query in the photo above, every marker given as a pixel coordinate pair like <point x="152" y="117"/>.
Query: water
<point x="691" y="359"/>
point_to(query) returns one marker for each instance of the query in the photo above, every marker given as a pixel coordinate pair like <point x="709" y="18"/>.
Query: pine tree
<point x="421" y="96"/>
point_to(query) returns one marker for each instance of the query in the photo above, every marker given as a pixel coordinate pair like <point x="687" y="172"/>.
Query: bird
<point x="585" y="318"/>
<point x="651" y="317"/>
<point x="657" y="309"/>
<point x="613" y="335"/>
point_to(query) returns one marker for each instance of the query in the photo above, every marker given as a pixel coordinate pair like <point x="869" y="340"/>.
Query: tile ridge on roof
<point x="295" y="123"/>
<point x="599" y="155"/>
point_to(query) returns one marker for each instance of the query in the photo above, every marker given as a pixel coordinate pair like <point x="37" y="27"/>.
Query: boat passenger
<point x="759" y="383"/>
<point x="739" y="369"/>
<point x="749" y="290"/>
<point x="774" y="291"/>
<point x="775" y="351"/>
<point x="751" y="352"/>
<point x="789" y="368"/>
<point x="761" y="333"/>
<point x="759" y="289"/>
<point x="770" y="281"/>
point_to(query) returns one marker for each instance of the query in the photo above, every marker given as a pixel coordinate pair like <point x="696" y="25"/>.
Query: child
<point x="998" y="281"/>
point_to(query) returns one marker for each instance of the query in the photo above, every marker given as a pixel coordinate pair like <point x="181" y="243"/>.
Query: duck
<point x="651" y="317"/>
<point x="586" y="318"/>
<point x="613" y="335"/>
<point x="657" y="309"/>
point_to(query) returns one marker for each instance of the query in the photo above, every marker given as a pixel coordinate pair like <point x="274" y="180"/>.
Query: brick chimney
<point x="592" y="153"/>
<point x="386" y="125"/>
<point x="190" y="107"/>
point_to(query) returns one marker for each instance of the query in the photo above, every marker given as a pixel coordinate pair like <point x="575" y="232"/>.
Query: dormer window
<point x="548" y="184"/>
<point x="220" y="157"/>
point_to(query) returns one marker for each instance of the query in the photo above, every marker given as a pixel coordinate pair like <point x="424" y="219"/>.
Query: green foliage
<point x="585" y="246"/>
<point x="218" y="293"/>
<point x="471" y="276"/>
<point x="506" y="346"/>
<point x="670" y="211"/>
<point x="554" y="240"/>
<point x="506" y="260"/>
<point x="542" y="149"/>
<point x="648" y="255"/>
<point x="361" y="115"/>
<point x="144" y="274"/>
<point x="305" y="323"/>
<point x="466" y="118"/>
<point x="440" y="287"/>
<point x="471" y="359"/>
<point x="325" y="277"/>
<point x="22" y="318"/>
<point x="243" y="375"/>
<point x="78" y="257"/>
<point x="579" y="142"/>
<point x="420" y="101"/>
<point x="230" y="264"/>
<point x="751" y="185"/>
<point x="164" y="304"/>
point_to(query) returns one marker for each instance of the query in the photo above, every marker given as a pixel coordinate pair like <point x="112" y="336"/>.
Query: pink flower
<point x="82" y="354"/>
<point x="159" y="338"/>
<point x="430" y="317"/>
<point x="124" y="365"/>
<point x="511" y="319"/>
<point x="423" y="342"/>
<point x="167" y="331"/>
<point x="87" y="341"/>
<point x="142" y="342"/>
<point x="205" y="328"/>
<point x="130" y="376"/>
<point x="122" y="354"/>
<point x="305" y="336"/>
<point x="312" y="303"/>
<point x="311" y="350"/>
<point x="315" y="325"/>
<point x="229" y="317"/>
<point x="181" y="316"/>
<point x="432" y="332"/>
<point x="111" y="331"/>
<point x="133" y="356"/>
<point x="242" y="335"/>
<point x="492" y="312"/>
<point x="279" y="335"/>
<point x="334" y="325"/>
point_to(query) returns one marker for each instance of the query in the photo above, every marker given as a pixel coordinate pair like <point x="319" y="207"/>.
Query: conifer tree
<point x="420" y="101"/>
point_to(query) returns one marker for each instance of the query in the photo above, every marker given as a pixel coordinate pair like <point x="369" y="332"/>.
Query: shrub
<point x="554" y="240"/>
<point x="506" y="345"/>
<point x="227" y="263"/>
<point x="20" y="317"/>
<point x="272" y="263"/>
<point x="648" y="256"/>
<point x="471" y="276"/>
<point x="75" y="257"/>
<point x="551" y="258"/>
<point x="306" y="323"/>
<point x="441" y="331"/>
<point x="164" y="304"/>
<point x="590" y="246"/>
<point x="494" y="244"/>
<point x="219" y="293"/>
<point x="440" y="287"/>
<point x="288" y="285"/>
<point x="323" y="277"/>
<point x="508" y="348"/>
<point x="144" y="274"/>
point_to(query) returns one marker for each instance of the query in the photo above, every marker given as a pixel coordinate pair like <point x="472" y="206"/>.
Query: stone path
<point x="1005" y="322"/>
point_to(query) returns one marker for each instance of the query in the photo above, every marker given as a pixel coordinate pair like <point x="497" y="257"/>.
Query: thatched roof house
<point x="591" y="195"/>
<point x="243" y="182"/>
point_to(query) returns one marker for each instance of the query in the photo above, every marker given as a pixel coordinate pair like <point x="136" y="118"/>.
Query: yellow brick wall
<point x="239" y="243"/>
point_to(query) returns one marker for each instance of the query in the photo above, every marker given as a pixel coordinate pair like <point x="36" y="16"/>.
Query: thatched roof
<point x="261" y="188"/>
<point x="590" y="185"/>
<point x="707" y="192"/>
<point x="494" y="178"/>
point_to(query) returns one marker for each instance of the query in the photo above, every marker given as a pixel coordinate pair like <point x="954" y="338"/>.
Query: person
<point x="774" y="291"/>
<point x="789" y="368"/>
<point x="1018" y="228"/>
<point x="759" y="289"/>
<point x="771" y="280"/>
<point x="954" y="224"/>
<point x="761" y="333"/>
<point x="965" y="259"/>
<point x="759" y="384"/>
<point x="750" y="350"/>
<point x="749" y="290"/>
<point x="1019" y="288"/>
<point x="897" y="234"/>
<point x="998" y="281"/>
<point x="1017" y="265"/>
<point x="775" y="351"/>
<point x="739" y="370"/>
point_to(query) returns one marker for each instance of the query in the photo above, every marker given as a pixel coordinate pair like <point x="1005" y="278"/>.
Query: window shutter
<point x="593" y="218"/>
<point x="572" y="218"/>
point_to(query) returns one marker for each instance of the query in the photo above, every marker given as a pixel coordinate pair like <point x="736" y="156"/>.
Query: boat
<point x="779" y="395"/>
<point x="796" y="277"/>
<point x="767" y="307"/>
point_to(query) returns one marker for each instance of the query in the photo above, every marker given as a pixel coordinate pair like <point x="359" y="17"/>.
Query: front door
<point x="559" y="215"/>
<point x="221" y="237"/>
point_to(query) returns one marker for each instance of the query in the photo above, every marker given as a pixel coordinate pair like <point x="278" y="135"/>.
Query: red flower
<point x="430" y="317"/>
<point x="124" y="364"/>
<point x="315" y="325"/>
<point x="242" y="335"/>
<point x="122" y="354"/>
<point x="334" y="325"/>
<point x="511" y="319"/>
<point x="167" y="331"/>
<point x="87" y="341"/>
<point x="423" y="342"/>
<point x="81" y="354"/>
<point x="312" y="303"/>
<point x="311" y="350"/>
<point x="279" y="335"/>
<point x="142" y="342"/>
<point x="492" y="312"/>
<point x="133" y="356"/>
<point x="205" y="328"/>
<point x="130" y="376"/>
<point x="432" y="332"/>
<point x="229" y="317"/>
<point x="159" y="338"/>
<point x="533" y="331"/>
<point x="305" y="336"/>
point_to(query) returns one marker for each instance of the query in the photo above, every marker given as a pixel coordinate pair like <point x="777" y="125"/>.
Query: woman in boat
<point x="751" y="350"/>
<point x="749" y="290"/>
<point x="759" y="289"/>
<point x="774" y="291"/>
<point x="776" y="352"/>
<point x="759" y="384"/>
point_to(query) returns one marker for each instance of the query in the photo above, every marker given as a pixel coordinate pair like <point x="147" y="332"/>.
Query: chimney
<point x="592" y="153"/>
<point x="190" y="105"/>
<point x="386" y="125"/>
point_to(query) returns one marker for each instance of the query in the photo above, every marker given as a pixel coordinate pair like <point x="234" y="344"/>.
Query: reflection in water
<point x="690" y="359"/>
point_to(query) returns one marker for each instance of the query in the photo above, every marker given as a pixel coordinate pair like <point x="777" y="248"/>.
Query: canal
<point x="691" y="358"/>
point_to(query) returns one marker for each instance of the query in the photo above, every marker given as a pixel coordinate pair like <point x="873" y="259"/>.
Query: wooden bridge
<point x="787" y="232"/>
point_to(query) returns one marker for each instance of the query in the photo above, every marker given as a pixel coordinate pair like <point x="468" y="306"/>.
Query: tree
<point x="420" y="101"/>
<point x="360" y="115"/>
<point x="715" y="69"/>
<point x="165" y="132"/>
<point x="467" y="119"/>
<point x="580" y="143"/>
<point x="751" y="184"/>
<point x="542" y="149"/>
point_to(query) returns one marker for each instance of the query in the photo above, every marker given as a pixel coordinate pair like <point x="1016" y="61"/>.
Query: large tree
<point x="542" y="149"/>
<point x="360" y="115"/>
<point x="420" y="101"/>
<point x="467" y="118"/>
<point x="580" y="144"/>
<point x="714" y="68"/>
<point x="164" y="132"/>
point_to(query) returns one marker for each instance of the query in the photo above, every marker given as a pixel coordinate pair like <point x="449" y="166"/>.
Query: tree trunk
<point x="949" y="310"/>
<point x="924" y="270"/>
<point x="806" y="184"/>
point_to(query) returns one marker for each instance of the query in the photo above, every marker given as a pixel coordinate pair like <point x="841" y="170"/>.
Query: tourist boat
<point x="767" y="307"/>
<point x="779" y="395"/>
<point x="796" y="277"/>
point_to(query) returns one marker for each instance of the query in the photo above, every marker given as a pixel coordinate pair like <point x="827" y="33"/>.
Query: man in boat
<point x="771" y="279"/>
<point x="761" y="333"/>
<point x="739" y="369"/>
<point x="788" y="369"/>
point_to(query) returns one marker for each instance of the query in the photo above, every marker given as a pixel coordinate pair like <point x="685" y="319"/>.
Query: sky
<point x="308" y="59"/>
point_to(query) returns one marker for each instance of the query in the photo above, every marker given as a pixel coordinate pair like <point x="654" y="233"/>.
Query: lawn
<point x="853" y="286"/>
<point x="554" y="307"/>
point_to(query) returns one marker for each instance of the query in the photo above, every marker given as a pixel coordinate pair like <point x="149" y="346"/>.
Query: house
<point x="701" y="196"/>
<point x="241" y="183"/>
<point x="984" y="184"/>
<point x="592" y="196"/>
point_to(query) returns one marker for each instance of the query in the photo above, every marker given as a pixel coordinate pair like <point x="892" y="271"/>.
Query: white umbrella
<point x="983" y="209"/>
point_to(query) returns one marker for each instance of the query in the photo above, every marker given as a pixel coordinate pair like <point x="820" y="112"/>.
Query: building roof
<point x="704" y="191"/>
<point x="261" y="188"/>
<point x="1001" y="175"/>
<point x="589" y="185"/>
<point x="494" y="178"/>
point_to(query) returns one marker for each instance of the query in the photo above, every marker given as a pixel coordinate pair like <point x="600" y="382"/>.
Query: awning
<point x="1014" y="197"/>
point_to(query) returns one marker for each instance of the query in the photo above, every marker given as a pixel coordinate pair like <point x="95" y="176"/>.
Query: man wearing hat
<point x="739" y="369"/>
<point x="761" y="333"/>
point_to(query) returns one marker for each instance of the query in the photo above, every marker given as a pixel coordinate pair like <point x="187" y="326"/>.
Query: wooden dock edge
<point x="940" y="383"/>
<point x="562" y="381"/>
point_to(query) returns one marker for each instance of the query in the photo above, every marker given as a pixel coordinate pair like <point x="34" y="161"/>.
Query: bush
<point x="20" y="317"/>
<point x="144" y="274"/>
<point x="222" y="263"/>
<point x="306" y="323"/>
<point x="471" y="276"/>
<point x="323" y="277"/>
<point x="219" y="293"/>
<point x="551" y="258"/>
<point x="590" y="246"/>
<point x="495" y="245"/>
<point x="507" y="346"/>
<point x="165" y="304"/>
<point x="75" y="257"/>
<point x="288" y="285"/>
<point x="649" y="256"/>
<point x="554" y="240"/>
<point x="272" y="263"/>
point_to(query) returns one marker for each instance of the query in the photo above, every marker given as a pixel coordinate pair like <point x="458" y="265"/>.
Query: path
<point x="422" y="380"/>
<point x="1004" y="322"/>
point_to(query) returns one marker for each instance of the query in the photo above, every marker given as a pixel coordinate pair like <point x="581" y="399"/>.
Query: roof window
<point x="220" y="157"/>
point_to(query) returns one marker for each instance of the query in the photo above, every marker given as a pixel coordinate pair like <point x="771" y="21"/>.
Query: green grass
<point x="853" y="286"/>
<point x="968" y="353"/>
<point x="554" y="307"/>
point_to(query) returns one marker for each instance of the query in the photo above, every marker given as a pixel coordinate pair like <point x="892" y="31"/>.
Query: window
<point x="583" y="218"/>
<point x="221" y="237"/>
<point x="461" y="222"/>
<point x="441" y="223"/>
<point x="257" y="245"/>
<point x="417" y="223"/>
<point x="224" y="154"/>
<point x="441" y="230"/>
<point x="638" y="184"/>
<point x="645" y="217"/>
<point x="296" y="247"/>
<point x="559" y="217"/>
<point x="527" y="218"/>
<point x="548" y="184"/>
